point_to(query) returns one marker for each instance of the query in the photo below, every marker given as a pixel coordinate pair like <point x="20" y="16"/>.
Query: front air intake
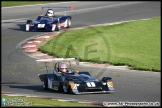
<point x="93" y="89"/>
<point x="41" y="29"/>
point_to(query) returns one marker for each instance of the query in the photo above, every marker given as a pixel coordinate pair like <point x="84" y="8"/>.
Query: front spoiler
<point x="47" y="27"/>
<point x="94" y="92"/>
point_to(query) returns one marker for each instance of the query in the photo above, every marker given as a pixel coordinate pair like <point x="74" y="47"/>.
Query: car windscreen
<point x="47" y="18"/>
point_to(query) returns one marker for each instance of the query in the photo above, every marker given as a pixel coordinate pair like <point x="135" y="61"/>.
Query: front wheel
<point x="68" y="23"/>
<point x="66" y="87"/>
<point x="45" y="83"/>
<point x="57" y="27"/>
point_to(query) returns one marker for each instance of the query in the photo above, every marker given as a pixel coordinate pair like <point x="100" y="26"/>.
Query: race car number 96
<point x="41" y="25"/>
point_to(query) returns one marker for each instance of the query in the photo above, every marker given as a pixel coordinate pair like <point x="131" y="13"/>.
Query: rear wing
<point x="65" y="7"/>
<point x="59" y="60"/>
<point x="76" y="60"/>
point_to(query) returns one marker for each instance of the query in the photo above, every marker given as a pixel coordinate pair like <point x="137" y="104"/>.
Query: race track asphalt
<point x="19" y="73"/>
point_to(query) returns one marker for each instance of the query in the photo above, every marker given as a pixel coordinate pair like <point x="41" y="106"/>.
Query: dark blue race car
<point x="49" y="22"/>
<point x="74" y="82"/>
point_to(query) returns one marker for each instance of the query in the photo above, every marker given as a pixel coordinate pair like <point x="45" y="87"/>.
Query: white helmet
<point x="62" y="67"/>
<point x="50" y="12"/>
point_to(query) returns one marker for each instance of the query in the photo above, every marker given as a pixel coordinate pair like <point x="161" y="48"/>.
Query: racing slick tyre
<point x="68" y="23"/>
<point x="66" y="87"/>
<point x="57" y="27"/>
<point x="29" y="22"/>
<point x="45" y="83"/>
<point x="105" y="79"/>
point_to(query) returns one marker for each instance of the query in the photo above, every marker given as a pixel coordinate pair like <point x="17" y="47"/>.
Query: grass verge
<point x="135" y="43"/>
<point x="39" y="102"/>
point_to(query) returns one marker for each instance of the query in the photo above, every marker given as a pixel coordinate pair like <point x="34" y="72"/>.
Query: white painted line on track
<point x="105" y="24"/>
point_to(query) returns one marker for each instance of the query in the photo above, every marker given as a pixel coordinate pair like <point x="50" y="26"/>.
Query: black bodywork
<point x="75" y="82"/>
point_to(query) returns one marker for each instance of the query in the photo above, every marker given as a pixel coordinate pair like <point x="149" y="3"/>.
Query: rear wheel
<point x="29" y="22"/>
<point x="45" y="83"/>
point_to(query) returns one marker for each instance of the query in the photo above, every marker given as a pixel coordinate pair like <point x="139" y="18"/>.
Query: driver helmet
<point x="50" y="13"/>
<point x="62" y="67"/>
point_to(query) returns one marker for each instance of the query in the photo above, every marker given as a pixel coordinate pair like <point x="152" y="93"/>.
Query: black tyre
<point x="105" y="79"/>
<point x="66" y="87"/>
<point x="68" y="23"/>
<point x="45" y="83"/>
<point x="57" y="27"/>
<point x="29" y="22"/>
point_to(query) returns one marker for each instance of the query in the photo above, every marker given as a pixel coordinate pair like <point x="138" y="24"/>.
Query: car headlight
<point x="110" y="83"/>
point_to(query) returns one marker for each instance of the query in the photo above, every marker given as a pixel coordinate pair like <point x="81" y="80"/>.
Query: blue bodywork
<point x="46" y="23"/>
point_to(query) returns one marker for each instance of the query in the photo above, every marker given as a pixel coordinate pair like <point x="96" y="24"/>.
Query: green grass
<point x="43" y="102"/>
<point x="136" y="44"/>
<point x="19" y="3"/>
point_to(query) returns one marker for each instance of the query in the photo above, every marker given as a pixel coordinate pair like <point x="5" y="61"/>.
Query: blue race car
<point x="49" y="22"/>
<point x="74" y="82"/>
